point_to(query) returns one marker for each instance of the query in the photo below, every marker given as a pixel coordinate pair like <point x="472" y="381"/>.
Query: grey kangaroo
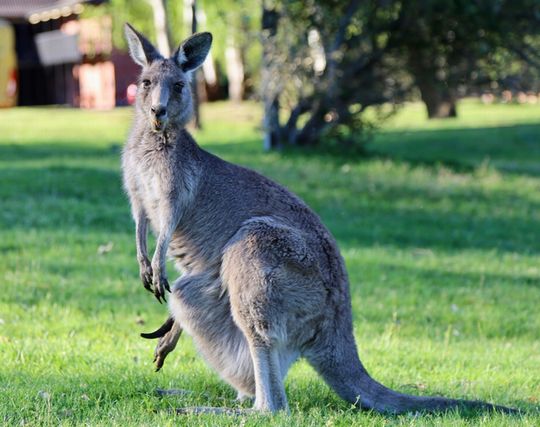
<point x="263" y="282"/>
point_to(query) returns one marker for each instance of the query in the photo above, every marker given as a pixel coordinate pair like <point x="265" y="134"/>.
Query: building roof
<point x="41" y="9"/>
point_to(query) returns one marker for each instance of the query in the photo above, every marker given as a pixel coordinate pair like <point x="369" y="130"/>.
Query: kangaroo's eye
<point x="178" y="86"/>
<point x="146" y="84"/>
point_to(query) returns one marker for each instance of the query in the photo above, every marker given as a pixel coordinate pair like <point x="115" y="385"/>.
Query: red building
<point x="63" y="59"/>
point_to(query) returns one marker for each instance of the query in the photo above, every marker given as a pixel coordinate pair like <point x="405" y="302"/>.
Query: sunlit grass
<point x="438" y="224"/>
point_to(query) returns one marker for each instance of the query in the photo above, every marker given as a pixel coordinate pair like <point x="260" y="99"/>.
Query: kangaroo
<point x="263" y="282"/>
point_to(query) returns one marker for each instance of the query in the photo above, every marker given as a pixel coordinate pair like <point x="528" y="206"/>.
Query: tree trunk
<point x="235" y="71"/>
<point x="163" y="34"/>
<point x="438" y="96"/>
<point x="190" y="17"/>
<point x="269" y="86"/>
<point x="272" y="138"/>
<point x="313" y="128"/>
<point x="210" y="79"/>
<point x="209" y="87"/>
<point x="439" y="100"/>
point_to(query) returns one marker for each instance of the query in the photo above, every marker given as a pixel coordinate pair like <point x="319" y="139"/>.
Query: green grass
<point x="439" y="227"/>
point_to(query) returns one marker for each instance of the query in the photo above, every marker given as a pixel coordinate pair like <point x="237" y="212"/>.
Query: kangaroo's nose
<point x="159" y="111"/>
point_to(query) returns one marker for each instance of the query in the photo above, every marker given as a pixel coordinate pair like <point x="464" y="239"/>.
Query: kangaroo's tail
<point x="342" y="370"/>
<point x="374" y="396"/>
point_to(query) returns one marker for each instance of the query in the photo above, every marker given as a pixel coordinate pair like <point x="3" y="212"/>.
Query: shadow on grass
<point x="59" y="197"/>
<point x="92" y="198"/>
<point x="457" y="280"/>
<point x="46" y="149"/>
<point x="511" y="149"/>
<point x="420" y="228"/>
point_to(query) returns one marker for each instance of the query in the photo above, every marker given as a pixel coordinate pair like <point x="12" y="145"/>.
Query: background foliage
<point x="317" y="65"/>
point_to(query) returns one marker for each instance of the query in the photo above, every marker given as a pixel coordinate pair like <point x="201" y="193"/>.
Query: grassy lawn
<point x="439" y="225"/>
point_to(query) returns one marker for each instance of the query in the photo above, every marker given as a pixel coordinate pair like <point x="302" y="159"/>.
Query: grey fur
<point x="263" y="281"/>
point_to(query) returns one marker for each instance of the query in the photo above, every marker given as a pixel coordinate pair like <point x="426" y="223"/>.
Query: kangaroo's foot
<point x="196" y="410"/>
<point x="173" y="392"/>
<point x="205" y="409"/>
<point x="168" y="335"/>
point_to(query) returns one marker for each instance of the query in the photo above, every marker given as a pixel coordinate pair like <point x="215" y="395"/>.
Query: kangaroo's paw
<point x="145" y="273"/>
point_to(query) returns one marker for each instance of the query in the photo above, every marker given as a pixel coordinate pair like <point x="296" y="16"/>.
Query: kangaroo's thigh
<point x="274" y="283"/>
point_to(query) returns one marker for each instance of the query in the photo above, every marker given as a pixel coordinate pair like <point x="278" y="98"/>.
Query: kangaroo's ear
<point x="192" y="52"/>
<point x="140" y="49"/>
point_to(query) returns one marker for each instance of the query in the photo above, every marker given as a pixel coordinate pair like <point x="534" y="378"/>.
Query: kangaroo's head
<point x="164" y="96"/>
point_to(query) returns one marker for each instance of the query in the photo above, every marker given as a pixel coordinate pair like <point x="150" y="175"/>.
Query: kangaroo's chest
<point x="165" y="186"/>
<point x="156" y="186"/>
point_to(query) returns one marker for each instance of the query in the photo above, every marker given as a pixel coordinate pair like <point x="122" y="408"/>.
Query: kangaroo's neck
<point x="172" y="138"/>
<point x="165" y="138"/>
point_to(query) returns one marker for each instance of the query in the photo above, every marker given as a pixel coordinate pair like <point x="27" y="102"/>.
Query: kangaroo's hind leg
<point x="269" y="273"/>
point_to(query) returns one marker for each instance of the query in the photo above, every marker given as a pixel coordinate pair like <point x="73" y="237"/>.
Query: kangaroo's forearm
<point x="168" y="225"/>
<point x="141" y="234"/>
<point x="160" y="254"/>
<point x="169" y="218"/>
<point x="141" y="225"/>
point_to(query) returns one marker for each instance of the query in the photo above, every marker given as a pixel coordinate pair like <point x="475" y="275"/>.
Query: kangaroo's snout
<point x="159" y="111"/>
<point x="159" y="114"/>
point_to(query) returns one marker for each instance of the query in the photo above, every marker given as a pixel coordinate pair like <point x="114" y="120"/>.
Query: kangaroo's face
<point x="163" y="96"/>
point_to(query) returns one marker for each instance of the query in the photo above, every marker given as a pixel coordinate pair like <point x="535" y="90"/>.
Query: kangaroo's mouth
<point x="158" y="125"/>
